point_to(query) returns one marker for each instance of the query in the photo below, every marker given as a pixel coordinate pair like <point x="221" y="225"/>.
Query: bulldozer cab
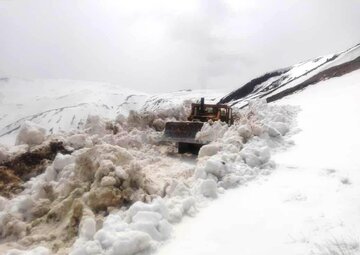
<point x="205" y="112"/>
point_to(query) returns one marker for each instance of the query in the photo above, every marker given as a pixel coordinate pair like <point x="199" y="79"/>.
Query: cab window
<point x="209" y="110"/>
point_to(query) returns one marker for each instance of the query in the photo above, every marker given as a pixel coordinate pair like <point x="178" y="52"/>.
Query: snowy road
<point x="309" y="204"/>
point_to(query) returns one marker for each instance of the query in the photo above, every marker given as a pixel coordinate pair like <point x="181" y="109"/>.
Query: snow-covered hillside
<point x="60" y="104"/>
<point x="277" y="84"/>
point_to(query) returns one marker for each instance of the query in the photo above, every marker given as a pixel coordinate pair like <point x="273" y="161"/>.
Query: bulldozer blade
<point x="184" y="132"/>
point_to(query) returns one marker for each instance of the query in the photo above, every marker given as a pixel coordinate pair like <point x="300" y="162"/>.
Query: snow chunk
<point x="79" y="141"/>
<point x="208" y="188"/>
<point x="277" y="128"/>
<point x="157" y="205"/>
<point x="152" y="217"/>
<point x="215" y="167"/>
<point x="31" y="134"/>
<point x="212" y="131"/>
<point x="10" y="226"/>
<point x="4" y="155"/>
<point x="95" y="125"/>
<point x="50" y="174"/>
<point x="87" y="228"/>
<point x="129" y="243"/>
<point x="120" y="173"/>
<point x="61" y="161"/>
<point x="87" y="248"/>
<point x="209" y="149"/>
<point x="22" y="204"/>
<point x="255" y="156"/>
<point x="153" y="224"/>
<point x="3" y="203"/>
<point x="158" y="124"/>
<point x="106" y="166"/>
<point x="245" y="132"/>
<point x="108" y="181"/>
<point x="281" y="127"/>
<point x="178" y="207"/>
<point x="37" y="251"/>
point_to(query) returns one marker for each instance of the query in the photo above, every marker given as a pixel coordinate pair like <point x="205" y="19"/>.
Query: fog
<point x="163" y="45"/>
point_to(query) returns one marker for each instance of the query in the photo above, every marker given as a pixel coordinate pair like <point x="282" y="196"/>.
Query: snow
<point x="131" y="234"/>
<point x="3" y="203"/>
<point x="331" y="122"/>
<point x="31" y="134"/>
<point x="36" y="251"/>
<point x="209" y="150"/>
<point x="126" y="192"/>
<point x="129" y="243"/>
<point x="96" y="179"/>
<point x="61" y="161"/>
<point x="4" y="154"/>
<point x="87" y="228"/>
<point x="79" y="141"/>
<point x="208" y="188"/>
<point x="309" y="205"/>
<point x="108" y="181"/>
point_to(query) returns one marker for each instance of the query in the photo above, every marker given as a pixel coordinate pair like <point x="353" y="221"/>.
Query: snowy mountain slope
<point x="64" y="105"/>
<point x="310" y="204"/>
<point x="282" y="82"/>
<point x="60" y="104"/>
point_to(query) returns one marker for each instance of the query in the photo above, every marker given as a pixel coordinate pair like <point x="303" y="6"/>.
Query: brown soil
<point x="9" y="182"/>
<point x="22" y="167"/>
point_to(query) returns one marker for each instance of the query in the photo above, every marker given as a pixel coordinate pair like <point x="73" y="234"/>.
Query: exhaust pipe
<point x="202" y="102"/>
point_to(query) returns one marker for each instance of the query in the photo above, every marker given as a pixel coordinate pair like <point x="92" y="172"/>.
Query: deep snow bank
<point x="120" y="191"/>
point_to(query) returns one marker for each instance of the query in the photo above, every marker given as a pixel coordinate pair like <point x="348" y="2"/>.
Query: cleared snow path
<point x="310" y="204"/>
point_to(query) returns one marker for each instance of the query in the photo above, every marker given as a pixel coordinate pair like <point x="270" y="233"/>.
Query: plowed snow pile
<point x="120" y="189"/>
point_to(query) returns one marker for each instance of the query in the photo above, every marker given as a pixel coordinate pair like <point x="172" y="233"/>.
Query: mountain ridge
<point x="294" y="78"/>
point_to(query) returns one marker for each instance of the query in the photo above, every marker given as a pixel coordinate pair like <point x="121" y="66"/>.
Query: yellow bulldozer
<point x="183" y="133"/>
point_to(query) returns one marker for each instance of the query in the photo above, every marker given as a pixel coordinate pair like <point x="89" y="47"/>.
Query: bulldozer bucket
<point x="182" y="131"/>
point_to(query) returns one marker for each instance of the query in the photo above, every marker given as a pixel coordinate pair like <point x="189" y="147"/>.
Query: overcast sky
<point x="164" y="45"/>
